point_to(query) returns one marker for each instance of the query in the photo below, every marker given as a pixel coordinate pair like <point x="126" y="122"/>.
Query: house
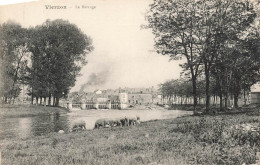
<point x="123" y="97"/>
<point x="98" y="92"/>
<point x="113" y="98"/>
<point x="157" y="99"/>
<point x="119" y="98"/>
<point x="255" y="94"/>
<point x="140" y="98"/>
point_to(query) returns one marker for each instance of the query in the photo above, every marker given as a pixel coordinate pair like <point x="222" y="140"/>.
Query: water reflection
<point x="38" y="125"/>
<point x="32" y="126"/>
<point x="49" y="123"/>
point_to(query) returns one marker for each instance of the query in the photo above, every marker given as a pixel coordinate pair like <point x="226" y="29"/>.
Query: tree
<point x="59" y="49"/>
<point x="13" y="59"/>
<point x="174" y="24"/>
<point x="225" y="22"/>
<point x="247" y="67"/>
<point x="173" y="89"/>
<point x="198" y="30"/>
<point x="236" y="67"/>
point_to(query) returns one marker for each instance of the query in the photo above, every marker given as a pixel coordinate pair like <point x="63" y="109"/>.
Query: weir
<point x="96" y="105"/>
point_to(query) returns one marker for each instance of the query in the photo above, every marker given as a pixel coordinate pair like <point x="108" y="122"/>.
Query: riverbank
<point x="24" y="110"/>
<point x="218" y="139"/>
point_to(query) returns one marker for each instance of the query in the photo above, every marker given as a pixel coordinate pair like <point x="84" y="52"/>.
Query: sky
<point x="123" y="53"/>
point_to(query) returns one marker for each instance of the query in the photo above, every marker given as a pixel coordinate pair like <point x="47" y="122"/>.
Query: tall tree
<point x="13" y="58"/>
<point x="197" y="31"/>
<point x="59" y="49"/>
<point x="174" y="24"/>
<point x="225" y="21"/>
<point x="246" y="70"/>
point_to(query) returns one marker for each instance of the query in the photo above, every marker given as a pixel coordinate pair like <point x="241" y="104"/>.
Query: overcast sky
<point x="123" y="54"/>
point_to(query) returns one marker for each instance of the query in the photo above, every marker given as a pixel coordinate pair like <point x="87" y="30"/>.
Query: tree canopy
<point x="56" y="51"/>
<point x="202" y="31"/>
<point x="13" y="58"/>
<point x="59" y="50"/>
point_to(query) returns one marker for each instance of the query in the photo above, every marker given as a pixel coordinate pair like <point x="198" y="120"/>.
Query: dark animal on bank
<point x="123" y="122"/>
<point x="115" y="122"/>
<point x="133" y="120"/>
<point x="102" y="123"/>
<point x="79" y="126"/>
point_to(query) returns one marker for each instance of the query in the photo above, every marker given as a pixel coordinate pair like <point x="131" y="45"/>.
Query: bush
<point x="231" y="142"/>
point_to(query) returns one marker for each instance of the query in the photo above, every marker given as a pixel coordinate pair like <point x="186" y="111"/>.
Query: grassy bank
<point x="7" y="110"/>
<point x="185" y="140"/>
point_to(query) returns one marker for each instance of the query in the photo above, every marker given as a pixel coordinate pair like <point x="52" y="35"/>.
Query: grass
<point x="186" y="107"/>
<point x="7" y="110"/>
<point x="185" y="140"/>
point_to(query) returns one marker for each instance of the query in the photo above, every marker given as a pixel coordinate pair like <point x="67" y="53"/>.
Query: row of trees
<point x="178" y="91"/>
<point x="47" y="58"/>
<point x="219" y="39"/>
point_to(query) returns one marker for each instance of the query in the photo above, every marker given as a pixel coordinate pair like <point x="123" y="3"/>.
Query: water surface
<point x="24" y="127"/>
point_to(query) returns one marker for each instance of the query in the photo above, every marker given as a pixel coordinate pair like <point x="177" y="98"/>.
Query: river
<point x="23" y="127"/>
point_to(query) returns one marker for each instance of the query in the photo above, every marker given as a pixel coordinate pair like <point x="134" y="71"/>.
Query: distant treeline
<point x="47" y="58"/>
<point x="219" y="40"/>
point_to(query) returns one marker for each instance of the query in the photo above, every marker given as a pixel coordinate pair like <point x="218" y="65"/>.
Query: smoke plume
<point x="95" y="80"/>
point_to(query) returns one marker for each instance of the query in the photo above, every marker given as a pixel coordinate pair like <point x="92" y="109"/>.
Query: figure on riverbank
<point x="122" y="122"/>
<point x="78" y="126"/>
<point x="103" y="123"/>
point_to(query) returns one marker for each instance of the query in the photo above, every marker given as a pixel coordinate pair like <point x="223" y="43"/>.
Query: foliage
<point x="13" y="59"/>
<point x="175" y="26"/>
<point x="47" y="57"/>
<point x="211" y="35"/>
<point x="237" y="66"/>
<point x="178" y="87"/>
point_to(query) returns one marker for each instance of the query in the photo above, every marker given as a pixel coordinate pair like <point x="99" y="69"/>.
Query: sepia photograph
<point x="130" y="82"/>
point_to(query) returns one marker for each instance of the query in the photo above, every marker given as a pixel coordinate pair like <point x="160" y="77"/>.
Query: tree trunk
<point x="220" y="101"/>
<point x="37" y="100"/>
<point x="236" y="100"/>
<point x="57" y="101"/>
<point x="220" y="96"/>
<point x="49" y="101"/>
<point x="236" y="94"/>
<point x="226" y="100"/>
<point x="44" y="100"/>
<point x="194" y="92"/>
<point x="40" y="100"/>
<point x="32" y="99"/>
<point x="244" y="95"/>
<point x="207" y="89"/>
<point x="175" y="99"/>
<point x="53" y="103"/>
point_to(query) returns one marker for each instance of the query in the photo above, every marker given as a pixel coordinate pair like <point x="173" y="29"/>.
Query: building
<point x="123" y="97"/>
<point x="255" y="94"/>
<point x="140" y="98"/>
<point x="117" y="99"/>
